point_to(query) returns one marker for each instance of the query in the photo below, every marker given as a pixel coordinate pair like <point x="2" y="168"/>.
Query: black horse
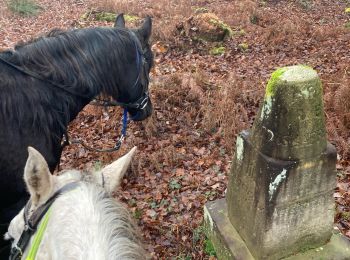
<point x="46" y="82"/>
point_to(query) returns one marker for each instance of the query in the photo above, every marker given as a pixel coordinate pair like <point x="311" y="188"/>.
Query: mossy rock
<point x="207" y="27"/>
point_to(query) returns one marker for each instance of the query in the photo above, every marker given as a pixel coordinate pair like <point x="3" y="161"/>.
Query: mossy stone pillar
<point x="280" y="192"/>
<point x="283" y="178"/>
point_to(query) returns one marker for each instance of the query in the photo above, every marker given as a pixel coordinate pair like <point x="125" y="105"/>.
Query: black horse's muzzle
<point x="141" y="113"/>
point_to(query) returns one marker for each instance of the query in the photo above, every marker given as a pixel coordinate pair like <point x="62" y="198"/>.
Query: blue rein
<point x="125" y="113"/>
<point x="140" y="103"/>
<point x="123" y="135"/>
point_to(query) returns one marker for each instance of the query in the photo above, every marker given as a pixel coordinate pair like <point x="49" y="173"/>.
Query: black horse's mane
<point x="87" y="61"/>
<point x="66" y="57"/>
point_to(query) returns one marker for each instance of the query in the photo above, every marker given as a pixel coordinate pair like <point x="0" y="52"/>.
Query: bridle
<point x="31" y="223"/>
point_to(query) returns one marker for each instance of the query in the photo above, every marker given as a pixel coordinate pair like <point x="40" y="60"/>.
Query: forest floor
<point x="202" y="101"/>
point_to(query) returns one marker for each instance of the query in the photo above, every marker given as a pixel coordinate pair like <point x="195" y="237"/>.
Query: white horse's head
<point x="42" y="185"/>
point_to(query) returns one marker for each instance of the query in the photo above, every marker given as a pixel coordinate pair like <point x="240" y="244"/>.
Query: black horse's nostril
<point x="141" y="114"/>
<point x="137" y="116"/>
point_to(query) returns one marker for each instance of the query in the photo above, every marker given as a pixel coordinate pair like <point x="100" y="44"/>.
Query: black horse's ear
<point x="146" y="29"/>
<point x="120" y="21"/>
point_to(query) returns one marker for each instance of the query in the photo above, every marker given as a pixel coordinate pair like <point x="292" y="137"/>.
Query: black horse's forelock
<point x="74" y="59"/>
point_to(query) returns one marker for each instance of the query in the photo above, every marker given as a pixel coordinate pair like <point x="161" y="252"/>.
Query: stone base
<point x="229" y="245"/>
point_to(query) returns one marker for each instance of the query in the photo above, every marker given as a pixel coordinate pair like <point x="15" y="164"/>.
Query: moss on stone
<point x="347" y="25"/>
<point x="217" y="50"/>
<point x="304" y="72"/>
<point x="347" y="10"/>
<point x="271" y="85"/>
<point x="220" y="24"/>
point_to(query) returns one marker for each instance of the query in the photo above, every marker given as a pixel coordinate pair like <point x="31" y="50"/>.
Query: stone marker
<point x="280" y="194"/>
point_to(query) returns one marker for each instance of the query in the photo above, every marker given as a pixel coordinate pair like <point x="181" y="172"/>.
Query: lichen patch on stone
<point x="266" y="109"/>
<point x="239" y="148"/>
<point x="274" y="185"/>
<point x="208" y="218"/>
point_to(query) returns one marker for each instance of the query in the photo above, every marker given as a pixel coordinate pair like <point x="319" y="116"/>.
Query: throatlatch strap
<point x="39" y="236"/>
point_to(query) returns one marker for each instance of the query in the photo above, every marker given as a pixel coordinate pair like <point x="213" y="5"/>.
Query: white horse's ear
<point x="111" y="175"/>
<point x="37" y="177"/>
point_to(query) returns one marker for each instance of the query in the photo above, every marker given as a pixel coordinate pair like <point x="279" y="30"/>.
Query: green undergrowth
<point x="107" y="16"/>
<point x="209" y="248"/>
<point x="24" y="7"/>
<point x="243" y="46"/>
<point x="216" y="51"/>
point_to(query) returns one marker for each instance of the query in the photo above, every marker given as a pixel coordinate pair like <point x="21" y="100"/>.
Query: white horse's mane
<point x="85" y="223"/>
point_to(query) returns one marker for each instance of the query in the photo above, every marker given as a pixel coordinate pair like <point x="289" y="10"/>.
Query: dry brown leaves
<point x="201" y="102"/>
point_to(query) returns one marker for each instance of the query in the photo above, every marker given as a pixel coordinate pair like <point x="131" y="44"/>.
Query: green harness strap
<point x="39" y="236"/>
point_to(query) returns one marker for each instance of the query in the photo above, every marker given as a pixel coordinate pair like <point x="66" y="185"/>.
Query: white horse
<point x="83" y="222"/>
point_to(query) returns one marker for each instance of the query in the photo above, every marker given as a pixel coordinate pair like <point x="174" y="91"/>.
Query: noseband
<point x="31" y="223"/>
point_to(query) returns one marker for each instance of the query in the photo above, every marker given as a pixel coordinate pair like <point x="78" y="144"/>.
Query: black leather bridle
<point x="31" y="223"/>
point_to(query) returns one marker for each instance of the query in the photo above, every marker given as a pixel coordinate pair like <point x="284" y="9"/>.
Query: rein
<point x="108" y="150"/>
<point x="31" y="224"/>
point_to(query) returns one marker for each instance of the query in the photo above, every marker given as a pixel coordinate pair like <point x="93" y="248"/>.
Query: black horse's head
<point x="136" y="98"/>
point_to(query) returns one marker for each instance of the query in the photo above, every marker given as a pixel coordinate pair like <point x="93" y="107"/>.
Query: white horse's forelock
<point x="87" y="224"/>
